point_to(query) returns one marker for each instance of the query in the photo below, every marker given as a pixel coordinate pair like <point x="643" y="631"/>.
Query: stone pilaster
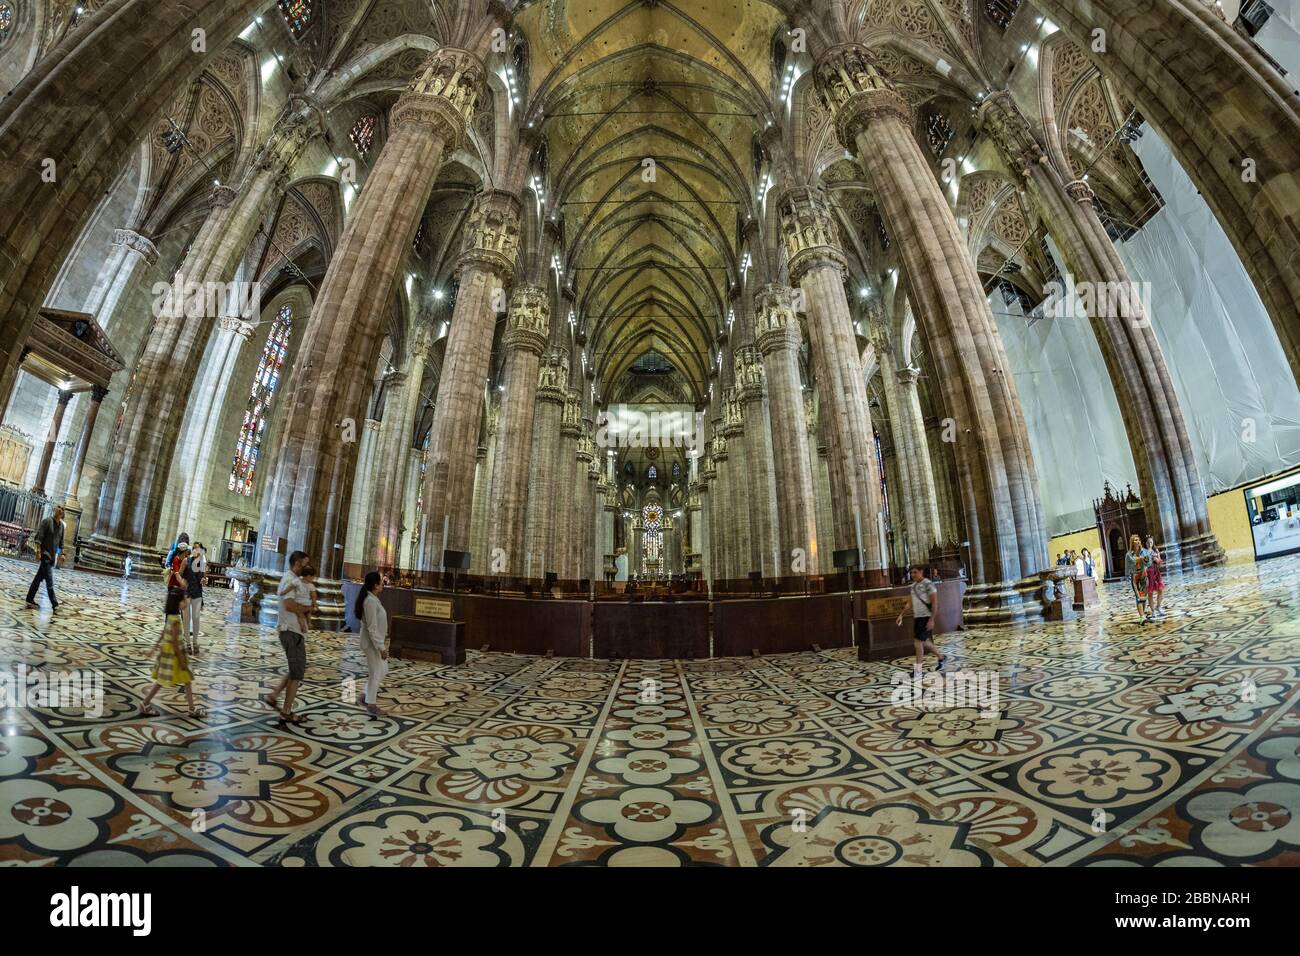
<point x="817" y="265"/>
<point x="1004" y="517"/>
<point x="524" y="342"/>
<point x="486" y="270"/>
<point x="1169" y="480"/>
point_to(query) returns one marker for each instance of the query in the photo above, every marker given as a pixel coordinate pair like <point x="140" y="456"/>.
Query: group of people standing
<point x="1144" y="568"/>
<point x="184" y="570"/>
<point x="1082" y="561"/>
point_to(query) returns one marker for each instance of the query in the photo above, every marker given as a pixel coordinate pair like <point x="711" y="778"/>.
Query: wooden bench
<point x="425" y="639"/>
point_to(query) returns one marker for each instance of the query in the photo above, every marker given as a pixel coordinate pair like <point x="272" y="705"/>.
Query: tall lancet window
<point x="297" y="14"/>
<point x="363" y="135"/>
<point x="260" y="397"/>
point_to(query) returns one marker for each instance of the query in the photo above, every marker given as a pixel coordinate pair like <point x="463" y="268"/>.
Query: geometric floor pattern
<point x="1108" y="744"/>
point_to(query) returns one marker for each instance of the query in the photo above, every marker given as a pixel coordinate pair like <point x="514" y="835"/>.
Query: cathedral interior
<point x="644" y="348"/>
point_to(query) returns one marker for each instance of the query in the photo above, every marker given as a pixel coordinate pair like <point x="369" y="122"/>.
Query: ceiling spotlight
<point x="437" y="294"/>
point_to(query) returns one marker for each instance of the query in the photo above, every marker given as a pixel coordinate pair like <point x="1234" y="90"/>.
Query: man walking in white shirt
<point x="925" y="606"/>
<point x="294" y="604"/>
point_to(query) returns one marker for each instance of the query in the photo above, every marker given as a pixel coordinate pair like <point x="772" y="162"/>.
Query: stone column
<point x="140" y="463"/>
<point x="354" y="551"/>
<point x="97" y="395"/>
<point x="585" y="501"/>
<point x="401" y="405"/>
<point x="566" y="472"/>
<point x="708" y="513"/>
<point x="484" y="476"/>
<point x="723" y="531"/>
<point x="486" y="269"/>
<point x="552" y="382"/>
<point x="60" y="160"/>
<point x="524" y="342"/>
<point x="1229" y="116"/>
<point x="917" y="495"/>
<point x="738" y="514"/>
<point x="1169" y="480"/>
<point x="307" y="496"/>
<point x="751" y="393"/>
<point x="131" y="254"/>
<point x="817" y="265"/>
<point x="51" y="439"/>
<point x="778" y="337"/>
<point x="1004" y="517"/>
<point x="825" y="524"/>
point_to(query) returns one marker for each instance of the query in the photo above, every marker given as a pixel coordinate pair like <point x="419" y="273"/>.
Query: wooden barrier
<point x="669" y="629"/>
<point x="650" y="630"/>
<point x="425" y="639"/>
<point x="781" y="625"/>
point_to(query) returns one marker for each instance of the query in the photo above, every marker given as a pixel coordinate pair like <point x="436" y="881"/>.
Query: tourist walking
<point x="171" y="664"/>
<point x="293" y="607"/>
<point x="196" y="568"/>
<point x="925" y="605"/>
<point x="374" y="637"/>
<point x="1135" y="569"/>
<point x="1155" y="577"/>
<point x="48" y="542"/>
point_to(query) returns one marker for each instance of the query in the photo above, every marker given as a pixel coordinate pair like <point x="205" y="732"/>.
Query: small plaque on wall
<point x="433" y="607"/>
<point x="881" y="608"/>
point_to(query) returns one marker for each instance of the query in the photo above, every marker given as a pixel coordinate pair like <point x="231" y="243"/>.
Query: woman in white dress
<point x="374" y="637"/>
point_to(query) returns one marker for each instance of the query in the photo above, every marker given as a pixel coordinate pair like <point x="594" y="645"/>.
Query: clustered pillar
<point x="1004" y="517"/>
<point x="817" y="265"/>
<point x="1168" y="477"/>
<point x="528" y="328"/>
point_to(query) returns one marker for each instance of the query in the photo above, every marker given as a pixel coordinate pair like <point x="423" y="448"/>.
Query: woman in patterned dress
<point x="1135" y="568"/>
<point x="171" y="665"/>
<point x="1155" y="580"/>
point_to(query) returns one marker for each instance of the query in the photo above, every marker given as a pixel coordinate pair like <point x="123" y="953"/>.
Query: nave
<point x="1152" y="727"/>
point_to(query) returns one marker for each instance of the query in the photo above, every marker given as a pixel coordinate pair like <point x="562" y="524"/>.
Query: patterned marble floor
<point x="1110" y="744"/>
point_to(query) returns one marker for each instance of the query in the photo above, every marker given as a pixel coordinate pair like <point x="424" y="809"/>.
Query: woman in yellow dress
<point x="171" y="665"/>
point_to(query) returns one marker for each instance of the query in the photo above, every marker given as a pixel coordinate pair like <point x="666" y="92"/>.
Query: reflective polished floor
<point x="1109" y="743"/>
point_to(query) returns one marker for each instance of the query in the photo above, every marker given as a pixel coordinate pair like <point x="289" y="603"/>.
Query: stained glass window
<point x="6" y="19"/>
<point x="939" y="132"/>
<point x="260" y="397"/>
<point x="652" y="473"/>
<point x="1000" y="12"/>
<point x="363" y="135"/>
<point x="297" y="14"/>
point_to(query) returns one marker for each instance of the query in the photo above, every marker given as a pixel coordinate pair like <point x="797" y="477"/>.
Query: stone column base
<point x="1192" y="554"/>
<point x="1003" y="602"/>
<point x="102" y="553"/>
<point x="329" y="603"/>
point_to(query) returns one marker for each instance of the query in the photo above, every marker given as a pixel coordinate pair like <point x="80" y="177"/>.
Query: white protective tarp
<point x="1235" y="387"/>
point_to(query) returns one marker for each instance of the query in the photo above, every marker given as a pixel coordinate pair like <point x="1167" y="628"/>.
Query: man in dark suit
<point x="49" y="541"/>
